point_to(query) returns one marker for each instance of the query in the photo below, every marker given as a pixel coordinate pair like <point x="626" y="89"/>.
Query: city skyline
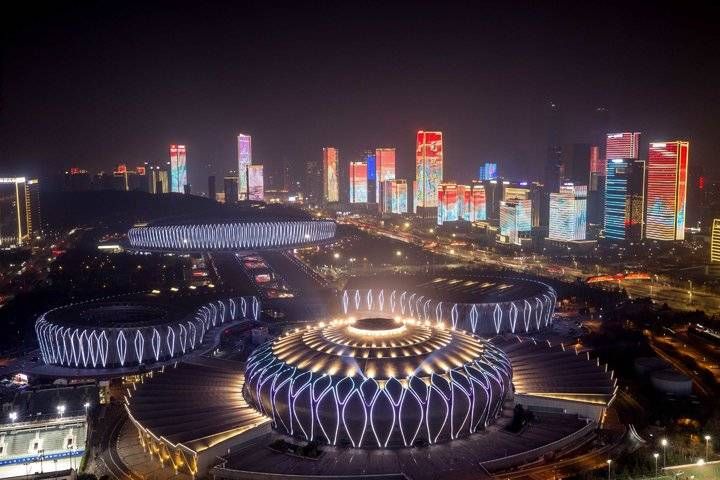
<point x="496" y="114"/>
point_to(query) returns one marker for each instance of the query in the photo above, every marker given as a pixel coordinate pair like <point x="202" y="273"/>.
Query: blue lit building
<point x="624" y="199"/>
<point x="488" y="171"/>
<point x="568" y="213"/>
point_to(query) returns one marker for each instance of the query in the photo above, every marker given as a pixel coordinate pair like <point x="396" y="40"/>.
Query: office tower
<point x="667" y="172"/>
<point x="448" y="208"/>
<point x="596" y="187"/>
<point x="395" y="196"/>
<point x="568" y="209"/>
<point x="313" y="183"/>
<point x="624" y="188"/>
<point x="157" y="179"/>
<point x="493" y="197"/>
<point x="385" y="168"/>
<point x="211" y="187"/>
<point x="372" y="181"/>
<point x="553" y="161"/>
<point x="20" y="219"/>
<point x="256" y="189"/>
<point x="358" y="182"/>
<point x="515" y="219"/>
<point x="622" y="145"/>
<point x="230" y="188"/>
<point x="178" y="168"/>
<point x="576" y="168"/>
<point x="488" y="171"/>
<point x="715" y="241"/>
<point x="464" y="203"/>
<point x="331" y="159"/>
<point x="286" y="182"/>
<point x="428" y="168"/>
<point x="244" y="161"/>
<point x="479" y="202"/>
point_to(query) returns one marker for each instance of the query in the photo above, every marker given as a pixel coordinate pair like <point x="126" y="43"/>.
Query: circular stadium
<point x="485" y="305"/>
<point x="378" y="382"/>
<point x="132" y="330"/>
<point x="251" y="227"/>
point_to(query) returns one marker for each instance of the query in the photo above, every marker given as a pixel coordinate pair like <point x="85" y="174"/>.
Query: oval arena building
<point x="378" y="382"/>
<point x="247" y="227"/>
<point x="485" y="305"/>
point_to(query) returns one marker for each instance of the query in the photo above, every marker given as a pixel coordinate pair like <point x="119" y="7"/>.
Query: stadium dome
<point x="254" y="227"/>
<point x="378" y="382"/>
<point x="485" y="305"/>
<point x="132" y="330"/>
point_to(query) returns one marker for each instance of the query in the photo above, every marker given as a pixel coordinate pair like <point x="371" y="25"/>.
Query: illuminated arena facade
<point x="129" y="331"/>
<point x="378" y="382"/>
<point x="484" y="305"/>
<point x="254" y="227"/>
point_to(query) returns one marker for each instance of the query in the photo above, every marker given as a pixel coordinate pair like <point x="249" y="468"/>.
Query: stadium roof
<point x="456" y="289"/>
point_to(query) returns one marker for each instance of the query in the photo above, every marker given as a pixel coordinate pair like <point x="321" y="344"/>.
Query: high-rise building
<point x="568" y="211"/>
<point x="448" y="205"/>
<point x="624" y="188"/>
<point x="479" y="202"/>
<point x="515" y="219"/>
<point x="622" y="145"/>
<point x="20" y="219"/>
<point x="465" y="210"/>
<point x="256" y="188"/>
<point x="575" y="164"/>
<point x="157" y="179"/>
<point x="178" y="168"/>
<point x="428" y="168"/>
<point x="488" y="171"/>
<point x="211" y="187"/>
<point x="372" y="178"/>
<point x="715" y="241"/>
<point x="331" y="159"/>
<point x="385" y="168"/>
<point x="395" y="196"/>
<point x="667" y="173"/>
<point x="244" y="161"/>
<point x="596" y="186"/>
<point x="358" y="182"/>
<point x="230" y="188"/>
<point x="313" y="184"/>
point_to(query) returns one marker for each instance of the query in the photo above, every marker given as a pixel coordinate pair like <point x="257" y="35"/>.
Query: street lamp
<point x="86" y="405"/>
<point x="707" y="446"/>
<point x="655" y="456"/>
<point x="664" y="444"/>
<point x="609" y="462"/>
<point x="13" y="416"/>
<point x="61" y="410"/>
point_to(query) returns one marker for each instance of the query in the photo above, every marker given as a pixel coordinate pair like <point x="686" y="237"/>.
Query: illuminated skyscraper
<point x="515" y="219"/>
<point x="372" y="178"/>
<point x="479" y="202"/>
<point x="19" y="210"/>
<point x="244" y="161"/>
<point x="568" y="209"/>
<point x="428" y="168"/>
<point x="464" y="203"/>
<point x="624" y="188"/>
<point x="622" y="145"/>
<point x="331" y="158"/>
<point x="448" y="205"/>
<point x="178" y="168"/>
<point x="488" y="171"/>
<point x="385" y="168"/>
<point x="256" y="186"/>
<point x="395" y="194"/>
<point x="358" y="182"/>
<point x="596" y="187"/>
<point x="715" y="241"/>
<point x="667" y="171"/>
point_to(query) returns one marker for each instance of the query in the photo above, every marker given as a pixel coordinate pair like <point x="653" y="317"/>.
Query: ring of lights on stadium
<point x="119" y="334"/>
<point x="247" y="228"/>
<point x="378" y="382"/>
<point x="484" y="305"/>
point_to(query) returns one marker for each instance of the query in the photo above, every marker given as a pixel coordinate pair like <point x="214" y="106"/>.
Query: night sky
<point x="93" y="84"/>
